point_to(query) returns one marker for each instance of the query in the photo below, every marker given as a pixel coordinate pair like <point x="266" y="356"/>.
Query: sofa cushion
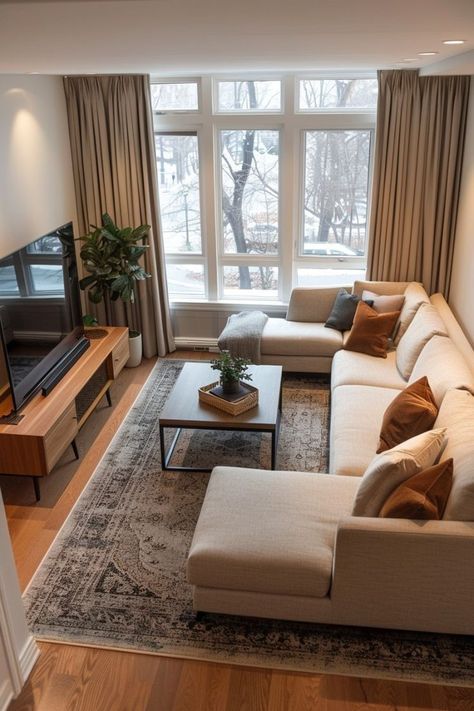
<point x="311" y="304"/>
<point x="388" y="470"/>
<point x="426" y="323"/>
<point x="380" y="287"/>
<point x="350" y="368"/>
<point x="371" y="331"/>
<point x="343" y="310"/>
<point x="384" y="303"/>
<point x="415" y="295"/>
<point x="269" y="531"/>
<point x="423" y="496"/>
<point x="356" y="418"/>
<point x="457" y="415"/>
<point x="433" y="362"/>
<point x="281" y="337"/>
<point x="412" y="412"/>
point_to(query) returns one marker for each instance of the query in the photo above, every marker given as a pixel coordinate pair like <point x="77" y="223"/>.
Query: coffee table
<point x="183" y="410"/>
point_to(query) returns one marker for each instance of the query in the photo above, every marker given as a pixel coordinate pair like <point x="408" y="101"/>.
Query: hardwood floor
<point x="68" y="678"/>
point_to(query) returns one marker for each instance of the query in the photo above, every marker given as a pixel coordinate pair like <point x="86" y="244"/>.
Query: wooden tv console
<point x="49" y="424"/>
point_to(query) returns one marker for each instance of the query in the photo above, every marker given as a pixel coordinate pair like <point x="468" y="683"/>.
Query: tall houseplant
<point x="111" y="257"/>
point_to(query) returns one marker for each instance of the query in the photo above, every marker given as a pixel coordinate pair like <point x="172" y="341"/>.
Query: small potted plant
<point x="232" y="370"/>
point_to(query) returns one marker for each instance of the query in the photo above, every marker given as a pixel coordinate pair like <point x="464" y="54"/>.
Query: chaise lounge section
<point x="286" y="544"/>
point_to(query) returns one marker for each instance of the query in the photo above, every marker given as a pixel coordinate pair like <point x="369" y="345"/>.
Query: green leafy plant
<point x="232" y="369"/>
<point x="88" y="320"/>
<point x="111" y="257"/>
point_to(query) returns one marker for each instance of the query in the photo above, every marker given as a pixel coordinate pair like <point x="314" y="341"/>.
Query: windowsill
<point x="226" y="305"/>
<point x="17" y="298"/>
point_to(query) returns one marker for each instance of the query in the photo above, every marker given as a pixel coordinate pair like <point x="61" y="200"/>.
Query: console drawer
<point x="120" y="355"/>
<point x="60" y="436"/>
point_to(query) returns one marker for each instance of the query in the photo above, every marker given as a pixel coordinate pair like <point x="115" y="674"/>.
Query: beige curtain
<point x="418" y="158"/>
<point x="112" y="146"/>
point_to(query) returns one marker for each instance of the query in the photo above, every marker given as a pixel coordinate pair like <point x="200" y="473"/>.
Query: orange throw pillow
<point x="412" y="412"/>
<point x="371" y="331"/>
<point x="424" y="496"/>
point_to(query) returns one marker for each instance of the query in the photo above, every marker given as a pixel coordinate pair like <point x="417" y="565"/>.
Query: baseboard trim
<point x="6" y="695"/>
<point x="28" y="657"/>
<point x="199" y="344"/>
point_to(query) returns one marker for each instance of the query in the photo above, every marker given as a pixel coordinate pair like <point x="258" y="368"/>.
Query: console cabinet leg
<point x="36" y="484"/>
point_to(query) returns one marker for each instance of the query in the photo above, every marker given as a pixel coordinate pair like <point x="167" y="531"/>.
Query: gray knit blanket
<point x="242" y="334"/>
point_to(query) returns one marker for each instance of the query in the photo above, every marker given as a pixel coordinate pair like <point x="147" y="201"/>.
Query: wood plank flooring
<point x="70" y="678"/>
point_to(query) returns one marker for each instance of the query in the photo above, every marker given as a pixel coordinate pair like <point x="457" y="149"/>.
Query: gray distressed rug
<point x="115" y="575"/>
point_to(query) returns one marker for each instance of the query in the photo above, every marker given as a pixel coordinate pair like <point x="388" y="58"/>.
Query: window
<point x="177" y="160"/>
<point x="247" y="96"/>
<point x="185" y="279"/>
<point x="175" y="96"/>
<point x="337" y="94"/>
<point x="309" y="276"/>
<point x="8" y="278"/>
<point x="249" y="163"/>
<point x="257" y="195"/>
<point x="250" y="282"/>
<point x="36" y="270"/>
<point x="336" y="176"/>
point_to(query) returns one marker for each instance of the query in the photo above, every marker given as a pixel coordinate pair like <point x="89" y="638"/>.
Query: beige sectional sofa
<point x="285" y="544"/>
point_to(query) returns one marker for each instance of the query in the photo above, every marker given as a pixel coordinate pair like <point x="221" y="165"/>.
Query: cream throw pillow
<point x="456" y="414"/>
<point x="415" y="295"/>
<point x="384" y="303"/>
<point x="426" y="323"/>
<point x="391" y="468"/>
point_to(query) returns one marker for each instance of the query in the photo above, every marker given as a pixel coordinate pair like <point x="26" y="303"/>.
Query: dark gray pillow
<point x="343" y="311"/>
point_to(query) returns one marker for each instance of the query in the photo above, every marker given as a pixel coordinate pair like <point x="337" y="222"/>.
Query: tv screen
<point x="40" y="314"/>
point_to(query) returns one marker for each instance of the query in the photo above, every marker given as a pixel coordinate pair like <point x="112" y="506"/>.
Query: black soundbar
<point x="60" y="370"/>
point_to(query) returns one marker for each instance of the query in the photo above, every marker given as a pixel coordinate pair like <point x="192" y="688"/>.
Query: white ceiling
<point x="178" y="37"/>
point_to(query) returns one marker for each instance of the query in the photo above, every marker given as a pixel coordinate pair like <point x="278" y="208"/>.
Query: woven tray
<point x="232" y="408"/>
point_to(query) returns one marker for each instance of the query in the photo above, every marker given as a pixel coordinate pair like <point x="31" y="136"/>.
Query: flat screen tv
<point x="41" y="328"/>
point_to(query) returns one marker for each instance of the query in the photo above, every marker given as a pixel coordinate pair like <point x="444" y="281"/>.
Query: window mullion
<point x="288" y="192"/>
<point x="208" y="190"/>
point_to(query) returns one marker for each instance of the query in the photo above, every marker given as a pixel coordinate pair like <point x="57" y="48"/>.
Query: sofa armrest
<point x="312" y="304"/>
<point x="405" y="574"/>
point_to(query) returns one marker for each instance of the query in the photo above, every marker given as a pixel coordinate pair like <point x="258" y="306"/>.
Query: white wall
<point x="461" y="297"/>
<point x="36" y="195"/>
<point x="36" y="183"/>
<point x="18" y="651"/>
<point x="6" y="687"/>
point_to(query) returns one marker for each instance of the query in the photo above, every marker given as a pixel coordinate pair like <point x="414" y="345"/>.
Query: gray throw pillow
<point x="343" y="310"/>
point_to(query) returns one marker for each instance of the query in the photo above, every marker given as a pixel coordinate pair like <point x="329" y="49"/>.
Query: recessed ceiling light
<point x="454" y="41"/>
<point x="410" y="59"/>
<point x="427" y="54"/>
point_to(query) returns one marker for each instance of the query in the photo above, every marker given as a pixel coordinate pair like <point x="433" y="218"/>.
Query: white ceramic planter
<point x="135" y="345"/>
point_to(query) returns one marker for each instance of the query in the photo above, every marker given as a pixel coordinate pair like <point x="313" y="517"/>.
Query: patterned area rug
<point x="115" y="575"/>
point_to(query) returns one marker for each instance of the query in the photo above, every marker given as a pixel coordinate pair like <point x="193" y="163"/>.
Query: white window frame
<point x="329" y="262"/>
<point x="291" y="123"/>
<point x="247" y="112"/>
<point x="180" y="80"/>
<point x="343" y="110"/>
<point x="229" y="259"/>
<point x="199" y="258"/>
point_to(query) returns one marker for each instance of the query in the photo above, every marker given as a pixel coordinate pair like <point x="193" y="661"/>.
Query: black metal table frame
<point x="167" y="455"/>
